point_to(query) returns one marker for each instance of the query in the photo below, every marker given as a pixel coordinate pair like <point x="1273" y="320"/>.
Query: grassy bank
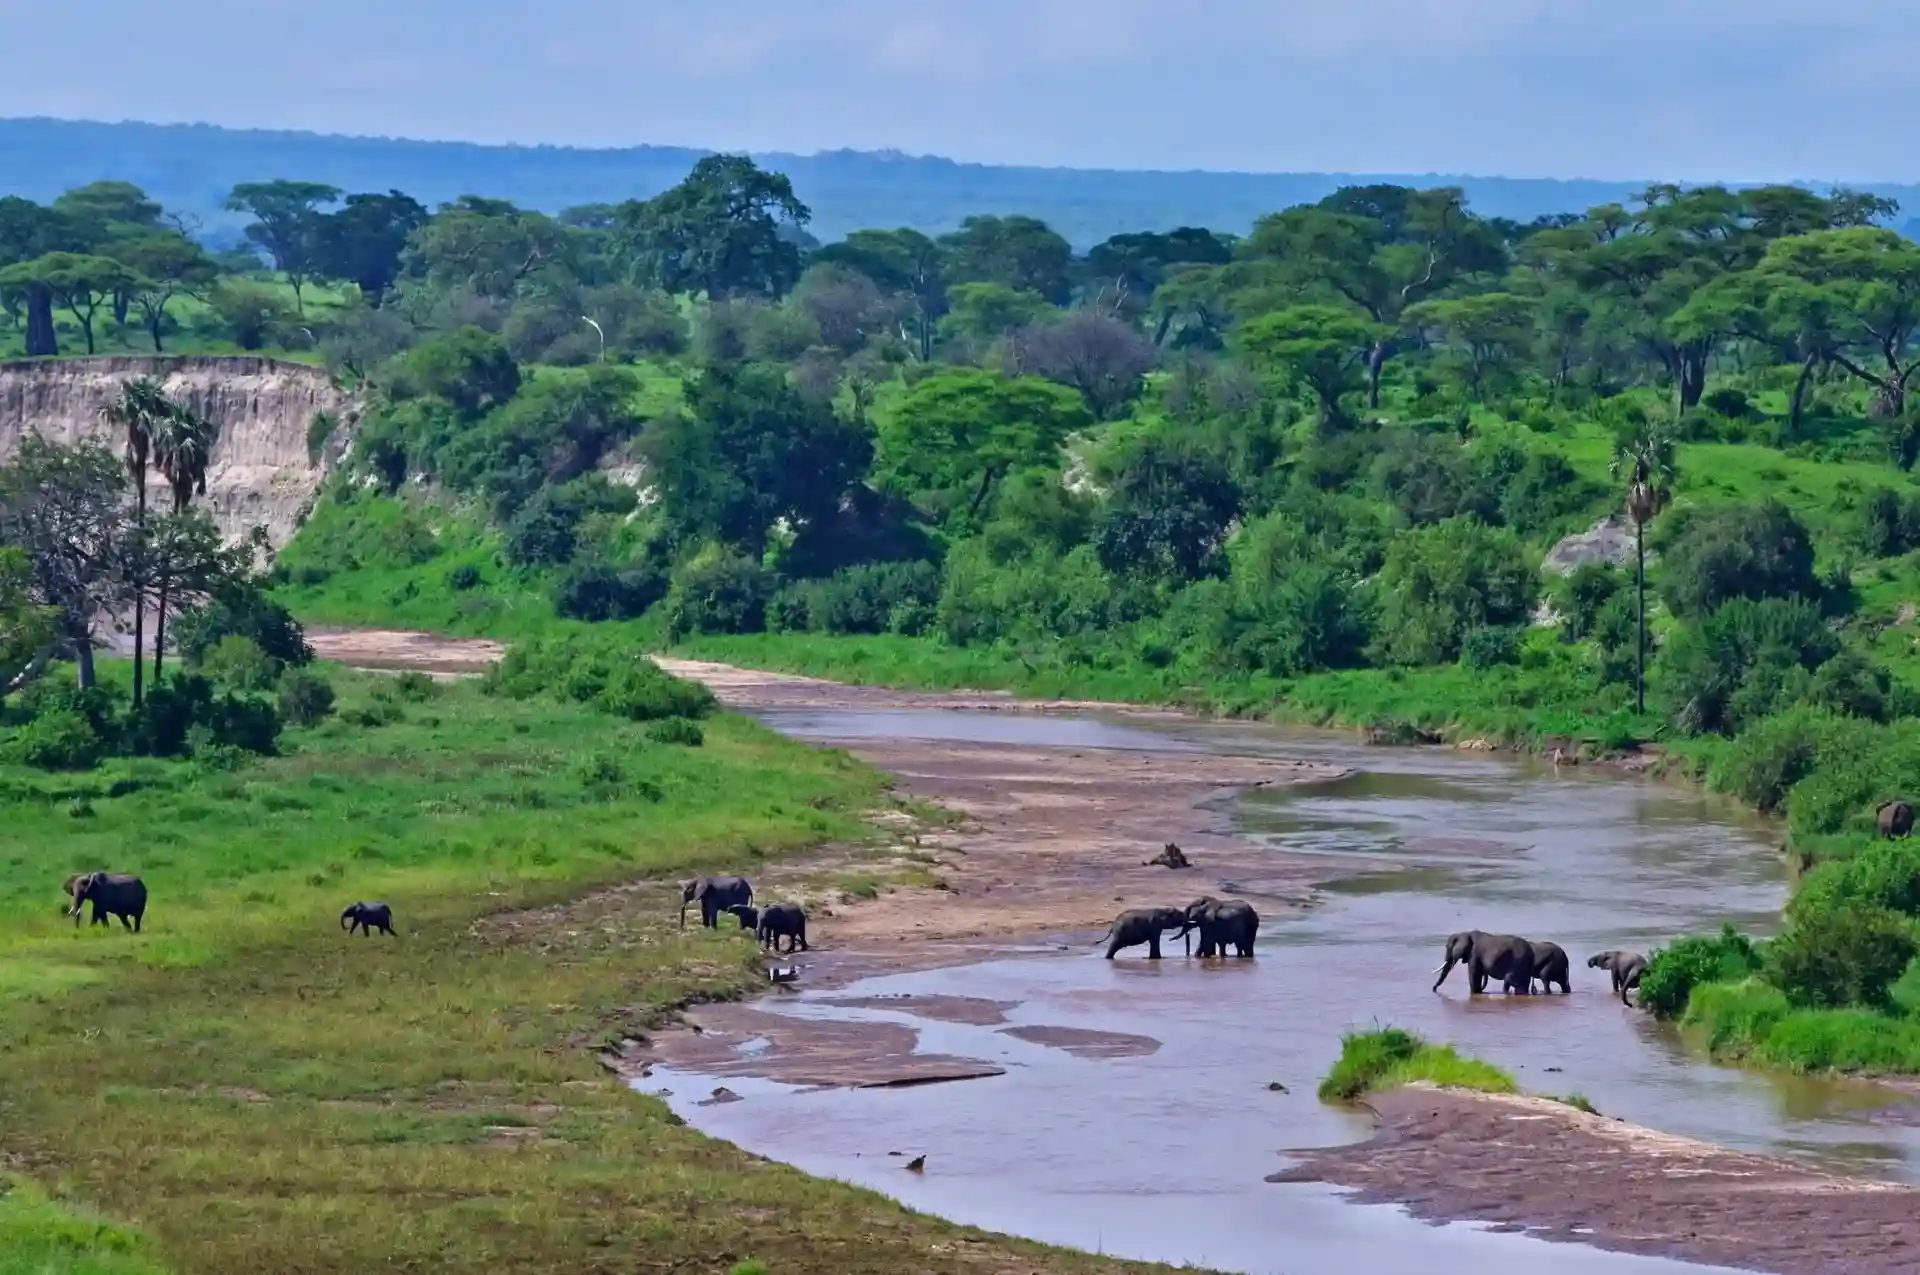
<point x="248" y="1089"/>
<point x="1388" y="1058"/>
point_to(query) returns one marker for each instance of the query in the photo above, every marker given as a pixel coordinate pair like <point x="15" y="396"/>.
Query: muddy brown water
<point x="1161" y="1154"/>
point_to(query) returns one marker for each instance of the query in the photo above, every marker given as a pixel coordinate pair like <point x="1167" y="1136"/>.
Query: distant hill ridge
<point x="190" y="168"/>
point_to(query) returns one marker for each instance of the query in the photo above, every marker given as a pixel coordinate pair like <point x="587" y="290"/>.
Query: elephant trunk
<point x="1442" y="972"/>
<point x="683" y="914"/>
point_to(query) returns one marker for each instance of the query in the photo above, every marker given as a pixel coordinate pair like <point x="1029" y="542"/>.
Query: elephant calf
<point x="1624" y="968"/>
<point x="1895" y="819"/>
<point x="715" y="895"/>
<point x="747" y="914"/>
<point x="783" y="920"/>
<point x="1550" y="966"/>
<point x="368" y="917"/>
<point x="1143" y="925"/>
<point x="111" y="894"/>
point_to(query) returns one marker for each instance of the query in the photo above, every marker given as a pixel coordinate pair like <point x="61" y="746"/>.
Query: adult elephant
<point x="1895" y="819"/>
<point x="1144" y="925"/>
<point x="1549" y="966"/>
<point x="715" y="895"/>
<point x="111" y="894"/>
<point x="1625" y="969"/>
<point x="783" y="921"/>
<point x="1232" y="923"/>
<point x="1507" y="957"/>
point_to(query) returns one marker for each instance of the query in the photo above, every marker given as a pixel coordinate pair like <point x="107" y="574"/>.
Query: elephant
<point x="368" y="917"/>
<point x="1143" y="925"/>
<point x="112" y="894"/>
<point x="748" y="915"/>
<point x="1506" y="957"/>
<point x="67" y="888"/>
<point x="1223" y="925"/>
<point x="1895" y="819"/>
<point x="1624" y="968"/>
<point x="783" y="920"/>
<point x="1550" y="966"/>
<point x="715" y="895"/>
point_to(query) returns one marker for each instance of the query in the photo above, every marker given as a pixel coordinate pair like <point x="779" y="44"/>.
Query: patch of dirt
<point x="946" y="1009"/>
<point x="1086" y="1044"/>
<point x="429" y="653"/>
<point x="749" y="689"/>
<point x="1539" y="1166"/>
<point x="810" y="1053"/>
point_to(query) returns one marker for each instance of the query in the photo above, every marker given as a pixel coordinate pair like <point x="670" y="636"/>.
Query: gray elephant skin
<point x="111" y="894"/>
<point x="1550" y="966"/>
<point x="1507" y="957"/>
<point x="1625" y="969"/>
<point x="714" y="895"/>
<point x="1143" y="925"/>
<point x="1222" y="925"/>
<point x="1895" y="819"/>
<point x="367" y="917"/>
<point x="747" y="915"/>
<point x="783" y="921"/>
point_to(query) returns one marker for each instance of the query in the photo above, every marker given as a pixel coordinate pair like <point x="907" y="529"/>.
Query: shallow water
<point x="1162" y="1157"/>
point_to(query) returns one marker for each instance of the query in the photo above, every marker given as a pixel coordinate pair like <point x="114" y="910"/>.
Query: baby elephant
<point x="749" y="915"/>
<point x="783" y="920"/>
<point x="1624" y="968"/>
<point x="368" y="917"/>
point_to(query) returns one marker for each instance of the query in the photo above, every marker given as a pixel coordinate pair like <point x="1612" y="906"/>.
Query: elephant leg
<point x="1153" y="947"/>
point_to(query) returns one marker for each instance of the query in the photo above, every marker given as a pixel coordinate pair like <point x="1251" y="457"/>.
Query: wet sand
<point x="1536" y="1165"/>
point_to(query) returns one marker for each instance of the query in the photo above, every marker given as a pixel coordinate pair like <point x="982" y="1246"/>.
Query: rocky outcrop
<point x="262" y="473"/>
<point x="1610" y="541"/>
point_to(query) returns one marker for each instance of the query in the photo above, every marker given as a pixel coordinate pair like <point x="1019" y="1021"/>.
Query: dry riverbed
<point x="1049" y="843"/>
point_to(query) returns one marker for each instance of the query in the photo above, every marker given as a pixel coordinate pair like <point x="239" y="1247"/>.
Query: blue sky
<point x="1700" y="89"/>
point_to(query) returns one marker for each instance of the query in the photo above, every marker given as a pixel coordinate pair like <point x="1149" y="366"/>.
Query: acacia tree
<point x="286" y="224"/>
<point x="78" y="281"/>
<point x="169" y="265"/>
<point x="953" y="437"/>
<point x="1321" y="347"/>
<point x="65" y="509"/>
<point x="727" y="231"/>
<point x="1643" y="459"/>
<point x="1862" y="283"/>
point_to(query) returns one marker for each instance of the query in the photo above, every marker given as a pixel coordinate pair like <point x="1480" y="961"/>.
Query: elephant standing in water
<point x="1223" y="925"/>
<point x="1624" y="968"/>
<point x="715" y="895"/>
<point x="1507" y="957"/>
<point x="1144" y="925"/>
<point x="1550" y="966"/>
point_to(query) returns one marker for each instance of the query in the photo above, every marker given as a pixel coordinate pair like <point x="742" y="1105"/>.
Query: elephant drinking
<point x="1625" y="969"/>
<point x="715" y="895"/>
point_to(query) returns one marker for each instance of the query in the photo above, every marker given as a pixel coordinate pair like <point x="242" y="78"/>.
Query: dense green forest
<point x="191" y="168"/>
<point x="1312" y="470"/>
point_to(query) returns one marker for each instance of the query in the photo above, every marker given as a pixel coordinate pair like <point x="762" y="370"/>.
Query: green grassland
<point x="249" y="1089"/>
<point x="1389" y="1058"/>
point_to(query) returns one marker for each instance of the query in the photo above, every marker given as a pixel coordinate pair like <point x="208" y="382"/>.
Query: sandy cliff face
<point x="263" y="408"/>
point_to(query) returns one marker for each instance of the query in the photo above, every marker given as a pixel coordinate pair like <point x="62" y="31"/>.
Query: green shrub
<point x="1675" y="970"/>
<point x="463" y="578"/>
<point x="238" y="662"/>
<point x="243" y="611"/>
<point x="416" y="687"/>
<point x="677" y="731"/>
<point x="1389" y="1057"/>
<point x="58" y="739"/>
<point x="1834" y="957"/>
<point x="594" y="591"/>
<point x="1490" y="647"/>
<point x="718" y="593"/>
<point x="872" y="598"/>
<point x="1582" y="595"/>
<point x="639" y="691"/>
<point x="1743" y="551"/>
<point x="306" y="698"/>
<point x="1767" y="761"/>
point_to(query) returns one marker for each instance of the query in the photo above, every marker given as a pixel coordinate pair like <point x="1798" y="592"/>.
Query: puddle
<point x="1093" y="1139"/>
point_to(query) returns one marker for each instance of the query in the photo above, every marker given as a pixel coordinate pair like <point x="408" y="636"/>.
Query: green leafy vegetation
<point x="1388" y="1058"/>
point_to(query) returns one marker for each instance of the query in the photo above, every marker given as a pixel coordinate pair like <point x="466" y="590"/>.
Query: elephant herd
<point x="123" y="897"/>
<point x="733" y="896"/>
<point x="1520" y="963"/>
<point x="1222" y="925"/>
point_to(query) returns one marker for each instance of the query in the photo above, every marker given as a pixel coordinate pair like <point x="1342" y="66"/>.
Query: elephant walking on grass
<point x="715" y="895"/>
<point x="111" y="894"/>
<point x="1507" y="957"/>
<point x="1222" y="925"/>
<point x="783" y="920"/>
<point x="1895" y="819"/>
<point x="1144" y="925"/>
<point x="1625" y="969"/>
<point x="368" y="917"/>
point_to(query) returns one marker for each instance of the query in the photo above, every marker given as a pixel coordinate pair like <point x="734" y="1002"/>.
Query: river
<point x="1163" y="1156"/>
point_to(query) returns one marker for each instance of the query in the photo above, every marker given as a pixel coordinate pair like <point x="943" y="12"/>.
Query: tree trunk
<point x="1640" y="591"/>
<point x="121" y="304"/>
<point x="86" y="326"/>
<point x="1693" y="379"/>
<point x="160" y="628"/>
<point x="153" y="330"/>
<point x="1797" y="404"/>
<point x="1376" y="361"/>
<point x="299" y="305"/>
<point x="83" y="661"/>
<point x="139" y="585"/>
<point x="42" y="340"/>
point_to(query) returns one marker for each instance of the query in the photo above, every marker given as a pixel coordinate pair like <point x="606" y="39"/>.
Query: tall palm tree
<point x="137" y="413"/>
<point x="182" y="449"/>
<point x="1643" y="453"/>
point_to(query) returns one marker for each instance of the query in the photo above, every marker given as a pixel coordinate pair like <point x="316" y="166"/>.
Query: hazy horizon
<point x="1700" y="90"/>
